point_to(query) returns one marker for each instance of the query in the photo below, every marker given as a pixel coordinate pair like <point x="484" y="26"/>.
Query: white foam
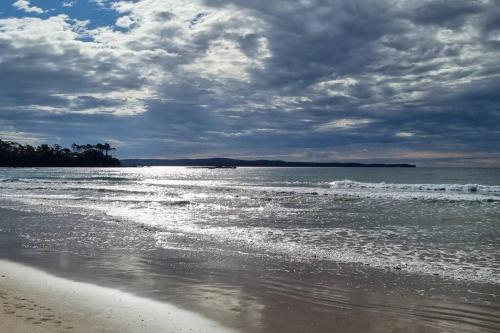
<point x="367" y="247"/>
<point x="42" y="196"/>
<point x="185" y="182"/>
<point x="460" y="188"/>
<point x="450" y="192"/>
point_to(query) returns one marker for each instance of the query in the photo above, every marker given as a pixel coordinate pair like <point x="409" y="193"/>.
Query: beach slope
<point x="34" y="301"/>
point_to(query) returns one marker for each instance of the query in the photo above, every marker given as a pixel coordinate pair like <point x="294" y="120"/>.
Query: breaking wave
<point x="460" y="192"/>
<point x="464" y="188"/>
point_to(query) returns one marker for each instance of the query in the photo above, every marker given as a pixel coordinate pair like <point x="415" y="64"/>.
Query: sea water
<point x="424" y="221"/>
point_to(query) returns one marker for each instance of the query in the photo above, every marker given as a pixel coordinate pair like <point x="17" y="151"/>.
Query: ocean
<point x="440" y="226"/>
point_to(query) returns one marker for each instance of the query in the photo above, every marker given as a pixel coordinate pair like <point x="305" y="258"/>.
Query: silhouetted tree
<point x="14" y="154"/>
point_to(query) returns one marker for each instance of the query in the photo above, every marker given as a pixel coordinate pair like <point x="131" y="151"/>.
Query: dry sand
<point x="34" y="301"/>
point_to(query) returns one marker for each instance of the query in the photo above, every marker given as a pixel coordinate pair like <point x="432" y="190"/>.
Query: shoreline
<point x="35" y="301"/>
<point x="251" y="294"/>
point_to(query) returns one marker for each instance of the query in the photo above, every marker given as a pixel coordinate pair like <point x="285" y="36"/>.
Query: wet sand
<point x="34" y="301"/>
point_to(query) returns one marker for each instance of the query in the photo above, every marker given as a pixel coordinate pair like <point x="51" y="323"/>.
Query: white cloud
<point x="404" y="134"/>
<point x="100" y="3"/>
<point x="223" y="60"/>
<point x="69" y="3"/>
<point x="124" y="22"/>
<point x="68" y="74"/>
<point x="10" y="134"/>
<point x="27" y="7"/>
<point x="123" y="6"/>
<point x="207" y="40"/>
<point x="336" y="87"/>
<point x="345" y="123"/>
<point x="120" y="72"/>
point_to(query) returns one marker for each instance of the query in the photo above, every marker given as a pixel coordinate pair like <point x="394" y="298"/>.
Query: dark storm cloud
<point x="304" y="79"/>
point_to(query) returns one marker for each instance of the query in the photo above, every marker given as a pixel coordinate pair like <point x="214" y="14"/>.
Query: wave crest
<point x="463" y="188"/>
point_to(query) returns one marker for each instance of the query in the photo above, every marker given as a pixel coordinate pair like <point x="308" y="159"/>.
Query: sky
<point x="302" y="80"/>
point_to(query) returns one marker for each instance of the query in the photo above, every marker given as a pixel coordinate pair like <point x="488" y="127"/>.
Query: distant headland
<point x="228" y="162"/>
<point x="13" y="154"/>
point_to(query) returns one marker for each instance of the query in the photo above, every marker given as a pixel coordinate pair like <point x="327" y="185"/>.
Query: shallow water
<point x="431" y="235"/>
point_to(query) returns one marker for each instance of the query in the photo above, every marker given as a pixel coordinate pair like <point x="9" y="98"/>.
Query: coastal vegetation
<point x="13" y="154"/>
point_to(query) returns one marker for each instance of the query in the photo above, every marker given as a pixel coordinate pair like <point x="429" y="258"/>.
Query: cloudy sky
<point x="323" y="80"/>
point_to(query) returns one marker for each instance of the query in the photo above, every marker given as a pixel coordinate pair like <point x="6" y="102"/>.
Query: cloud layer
<point x="25" y="5"/>
<point x="381" y="80"/>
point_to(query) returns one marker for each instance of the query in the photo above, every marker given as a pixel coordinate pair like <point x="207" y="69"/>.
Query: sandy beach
<point x="34" y="301"/>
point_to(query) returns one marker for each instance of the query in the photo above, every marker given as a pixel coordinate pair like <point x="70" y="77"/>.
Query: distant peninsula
<point x="13" y="154"/>
<point x="228" y="162"/>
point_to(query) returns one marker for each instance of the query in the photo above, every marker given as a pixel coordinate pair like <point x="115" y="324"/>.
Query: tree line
<point x="13" y="154"/>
